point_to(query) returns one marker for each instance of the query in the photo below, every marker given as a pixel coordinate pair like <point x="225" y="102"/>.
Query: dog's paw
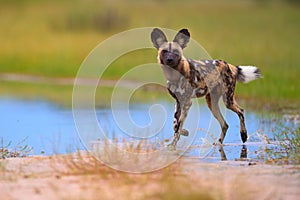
<point x="244" y="136"/>
<point x="218" y="143"/>
<point x="184" y="132"/>
<point x="171" y="147"/>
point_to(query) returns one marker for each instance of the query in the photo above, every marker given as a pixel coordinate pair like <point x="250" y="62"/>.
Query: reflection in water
<point x="222" y="153"/>
<point x="243" y="154"/>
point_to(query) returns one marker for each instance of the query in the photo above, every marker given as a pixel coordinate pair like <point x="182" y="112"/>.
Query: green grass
<point x="28" y="91"/>
<point x="52" y="38"/>
<point x="289" y="145"/>
<point x="63" y="94"/>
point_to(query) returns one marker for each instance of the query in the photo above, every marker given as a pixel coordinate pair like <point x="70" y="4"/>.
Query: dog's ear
<point x="158" y="37"/>
<point x="182" y="37"/>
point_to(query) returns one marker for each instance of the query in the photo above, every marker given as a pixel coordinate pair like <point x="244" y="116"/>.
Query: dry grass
<point x="81" y="176"/>
<point x="167" y="183"/>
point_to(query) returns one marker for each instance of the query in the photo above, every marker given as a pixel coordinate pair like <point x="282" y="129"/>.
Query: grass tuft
<point x="19" y="150"/>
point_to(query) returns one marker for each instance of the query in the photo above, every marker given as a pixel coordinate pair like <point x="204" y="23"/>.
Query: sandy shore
<point x="71" y="177"/>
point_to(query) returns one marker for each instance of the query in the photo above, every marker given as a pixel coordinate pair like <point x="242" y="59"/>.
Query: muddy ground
<point x="71" y="177"/>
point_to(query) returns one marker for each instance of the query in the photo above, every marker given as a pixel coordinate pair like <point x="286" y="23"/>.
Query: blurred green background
<point x="51" y="38"/>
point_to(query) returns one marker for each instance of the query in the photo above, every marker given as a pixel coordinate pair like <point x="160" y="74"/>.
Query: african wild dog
<point x="188" y="78"/>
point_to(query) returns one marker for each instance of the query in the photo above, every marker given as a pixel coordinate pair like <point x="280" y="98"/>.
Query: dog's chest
<point x="203" y="76"/>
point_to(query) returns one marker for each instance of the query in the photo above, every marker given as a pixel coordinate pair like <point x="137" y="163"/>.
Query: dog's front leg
<point x="185" y="107"/>
<point x="176" y="125"/>
<point x="178" y="120"/>
<point x="181" y="110"/>
<point x="177" y="114"/>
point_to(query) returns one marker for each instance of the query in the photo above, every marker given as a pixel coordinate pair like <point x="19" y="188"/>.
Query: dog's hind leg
<point x="212" y="100"/>
<point x="231" y="104"/>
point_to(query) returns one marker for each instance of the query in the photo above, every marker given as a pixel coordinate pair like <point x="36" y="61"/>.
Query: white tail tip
<point x="248" y="73"/>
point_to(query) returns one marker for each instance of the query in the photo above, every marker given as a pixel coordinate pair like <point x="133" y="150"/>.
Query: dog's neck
<point x="173" y="74"/>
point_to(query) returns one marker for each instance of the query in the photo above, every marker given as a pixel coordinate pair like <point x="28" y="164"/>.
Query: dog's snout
<point x="169" y="59"/>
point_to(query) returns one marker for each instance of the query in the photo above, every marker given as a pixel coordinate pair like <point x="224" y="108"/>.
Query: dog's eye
<point x="164" y="51"/>
<point x="176" y="52"/>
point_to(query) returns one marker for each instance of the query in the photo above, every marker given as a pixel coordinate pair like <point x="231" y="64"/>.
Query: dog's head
<point x="170" y="53"/>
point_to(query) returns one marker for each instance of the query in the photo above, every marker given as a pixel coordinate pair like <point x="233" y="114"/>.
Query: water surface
<point x="50" y="129"/>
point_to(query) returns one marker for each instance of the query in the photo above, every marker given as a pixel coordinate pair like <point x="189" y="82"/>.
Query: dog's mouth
<point x="170" y="62"/>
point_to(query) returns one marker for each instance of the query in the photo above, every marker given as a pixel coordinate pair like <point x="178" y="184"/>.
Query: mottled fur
<point x="188" y="78"/>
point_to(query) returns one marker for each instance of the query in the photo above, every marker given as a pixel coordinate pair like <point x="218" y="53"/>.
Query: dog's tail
<point x="246" y="74"/>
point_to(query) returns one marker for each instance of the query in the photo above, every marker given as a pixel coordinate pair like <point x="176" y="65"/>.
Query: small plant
<point x="20" y="150"/>
<point x="288" y="150"/>
<point x="291" y="142"/>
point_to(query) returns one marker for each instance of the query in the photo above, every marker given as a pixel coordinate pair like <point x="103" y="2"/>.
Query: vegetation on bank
<point x="52" y="38"/>
<point x="7" y="150"/>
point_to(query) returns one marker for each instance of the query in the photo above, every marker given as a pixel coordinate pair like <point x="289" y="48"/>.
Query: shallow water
<point x="50" y="129"/>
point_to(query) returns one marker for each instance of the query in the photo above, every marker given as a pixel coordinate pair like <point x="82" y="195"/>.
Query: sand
<point x="82" y="177"/>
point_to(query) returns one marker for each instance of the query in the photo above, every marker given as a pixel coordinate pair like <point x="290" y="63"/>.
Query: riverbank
<point x="83" y="177"/>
